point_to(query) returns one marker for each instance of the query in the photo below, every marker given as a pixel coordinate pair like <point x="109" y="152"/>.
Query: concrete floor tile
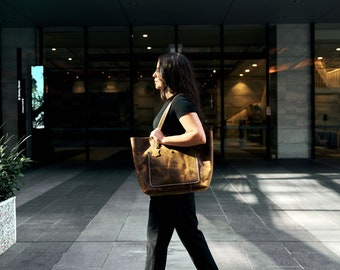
<point x="269" y="254"/>
<point x="317" y="261"/>
<point x="38" y="256"/>
<point x="333" y="247"/>
<point x="126" y="256"/>
<point x="229" y="255"/>
<point x="85" y="254"/>
<point x="327" y="235"/>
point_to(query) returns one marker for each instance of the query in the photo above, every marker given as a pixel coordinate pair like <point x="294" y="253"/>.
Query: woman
<point x="182" y="127"/>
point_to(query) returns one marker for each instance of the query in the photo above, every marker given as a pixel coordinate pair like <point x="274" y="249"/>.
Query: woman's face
<point x="159" y="83"/>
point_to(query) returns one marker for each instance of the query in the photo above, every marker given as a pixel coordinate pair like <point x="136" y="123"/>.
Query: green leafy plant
<point x="12" y="163"/>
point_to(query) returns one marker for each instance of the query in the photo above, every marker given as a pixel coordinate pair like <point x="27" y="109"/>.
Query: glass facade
<point x="98" y="88"/>
<point x="99" y="85"/>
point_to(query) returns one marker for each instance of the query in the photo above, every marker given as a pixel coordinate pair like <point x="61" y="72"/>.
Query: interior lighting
<point x="148" y="48"/>
<point x="54" y="49"/>
<point x="241" y="74"/>
<point x="69" y="59"/>
<point x="247" y="70"/>
<point x="254" y="65"/>
<point x="145" y="35"/>
<point x="320" y="57"/>
<point x="337" y="49"/>
<point x="214" y="71"/>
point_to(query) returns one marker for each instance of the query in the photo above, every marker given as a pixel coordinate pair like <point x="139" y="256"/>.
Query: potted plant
<point x="12" y="163"/>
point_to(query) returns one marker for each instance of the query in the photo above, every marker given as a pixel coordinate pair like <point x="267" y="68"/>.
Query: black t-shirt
<point x="181" y="106"/>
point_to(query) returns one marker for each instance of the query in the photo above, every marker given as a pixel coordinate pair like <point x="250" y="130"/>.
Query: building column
<point x="16" y="43"/>
<point x="294" y="88"/>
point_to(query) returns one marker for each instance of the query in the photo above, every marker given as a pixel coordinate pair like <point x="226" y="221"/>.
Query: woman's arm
<point x="194" y="133"/>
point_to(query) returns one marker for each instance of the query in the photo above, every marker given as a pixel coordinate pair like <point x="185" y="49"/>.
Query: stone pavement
<point x="257" y="215"/>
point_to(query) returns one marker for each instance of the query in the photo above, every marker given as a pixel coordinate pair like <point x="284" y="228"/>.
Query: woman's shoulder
<point x="183" y="104"/>
<point x="181" y="98"/>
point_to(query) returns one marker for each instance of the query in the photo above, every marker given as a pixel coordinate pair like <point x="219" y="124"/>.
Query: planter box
<point x="8" y="233"/>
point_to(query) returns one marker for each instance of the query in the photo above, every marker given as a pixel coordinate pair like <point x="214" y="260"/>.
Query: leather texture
<point x="163" y="170"/>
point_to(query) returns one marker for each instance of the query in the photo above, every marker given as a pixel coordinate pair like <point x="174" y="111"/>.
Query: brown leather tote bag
<point x="165" y="170"/>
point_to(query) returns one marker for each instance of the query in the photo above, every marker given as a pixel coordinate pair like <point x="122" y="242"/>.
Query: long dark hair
<point x="178" y="77"/>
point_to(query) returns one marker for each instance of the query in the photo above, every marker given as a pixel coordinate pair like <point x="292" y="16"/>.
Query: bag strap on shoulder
<point x="165" y="113"/>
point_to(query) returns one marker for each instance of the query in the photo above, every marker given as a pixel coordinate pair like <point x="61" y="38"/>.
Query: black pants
<point x="167" y="213"/>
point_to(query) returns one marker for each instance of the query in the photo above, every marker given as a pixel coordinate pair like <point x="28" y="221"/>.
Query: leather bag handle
<point x="160" y="124"/>
<point x="165" y="113"/>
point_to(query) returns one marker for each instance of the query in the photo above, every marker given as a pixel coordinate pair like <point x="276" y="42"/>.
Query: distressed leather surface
<point x="163" y="170"/>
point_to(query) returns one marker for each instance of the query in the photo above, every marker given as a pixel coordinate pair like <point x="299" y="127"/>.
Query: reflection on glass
<point x="327" y="90"/>
<point x="37" y="73"/>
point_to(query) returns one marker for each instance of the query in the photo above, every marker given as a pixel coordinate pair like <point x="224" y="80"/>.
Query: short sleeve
<point x="182" y="105"/>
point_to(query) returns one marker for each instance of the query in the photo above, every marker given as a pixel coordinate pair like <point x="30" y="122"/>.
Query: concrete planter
<point x="8" y="233"/>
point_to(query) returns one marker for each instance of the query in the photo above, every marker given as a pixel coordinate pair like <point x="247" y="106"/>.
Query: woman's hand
<point x="157" y="135"/>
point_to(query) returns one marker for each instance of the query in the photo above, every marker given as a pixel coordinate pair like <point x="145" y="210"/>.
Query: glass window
<point x="63" y="48"/>
<point x="109" y="103"/>
<point x="201" y="44"/>
<point x="199" y="39"/>
<point x="327" y="89"/>
<point x="148" y="44"/>
<point x="64" y="73"/>
<point x="244" y="91"/>
<point x="88" y="82"/>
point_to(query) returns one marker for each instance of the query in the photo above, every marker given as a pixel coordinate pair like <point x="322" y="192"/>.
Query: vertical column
<point x="294" y="86"/>
<point x="11" y="40"/>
